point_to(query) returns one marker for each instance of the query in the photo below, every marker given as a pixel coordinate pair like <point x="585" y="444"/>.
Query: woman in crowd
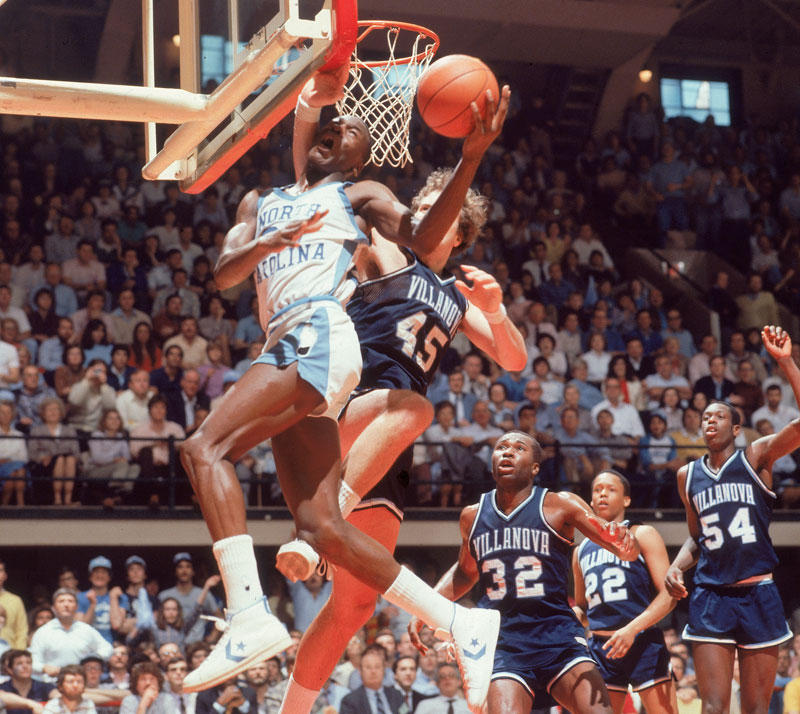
<point x="172" y="624"/>
<point x="670" y="407"/>
<point x="109" y="469"/>
<point x="212" y="375"/>
<point x="632" y="391"/>
<point x="501" y="407"/>
<point x="43" y="319"/>
<point x="95" y="342"/>
<point x="53" y="447"/>
<point x="597" y="359"/>
<point x="145" y="352"/>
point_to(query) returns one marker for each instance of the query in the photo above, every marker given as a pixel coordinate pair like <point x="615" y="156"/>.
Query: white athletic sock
<point x="297" y="699"/>
<point x="348" y="499"/>
<point x="415" y="596"/>
<point x="237" y="566"/>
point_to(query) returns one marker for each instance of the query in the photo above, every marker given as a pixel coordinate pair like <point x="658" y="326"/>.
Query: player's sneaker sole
<point x="475" y="634"/>
<point x="253" y="635"/>
<point x="297" y="560"/>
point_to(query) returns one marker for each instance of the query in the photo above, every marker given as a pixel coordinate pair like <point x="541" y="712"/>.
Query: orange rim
<point x="368" y="26"/>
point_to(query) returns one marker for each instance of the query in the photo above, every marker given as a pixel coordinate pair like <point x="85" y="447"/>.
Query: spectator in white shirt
<point x="626" y="418"/>
<point x="778" y="414"/>
<point x="65" y="640"/>
<point x="664" y="377"/>
<point x="9" y="364"/>
<point x="132" y="403"/>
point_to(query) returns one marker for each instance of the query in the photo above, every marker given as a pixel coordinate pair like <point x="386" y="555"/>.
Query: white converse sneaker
<point x="475" y="636"/>
<point x="297" y="560"/>
<point x="253" y="634"/>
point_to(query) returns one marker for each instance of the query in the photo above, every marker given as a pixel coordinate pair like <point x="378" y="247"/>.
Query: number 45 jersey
<point x="734" y="508"/>
<point x="404" y="321"/>
<point x="524" y="569"/>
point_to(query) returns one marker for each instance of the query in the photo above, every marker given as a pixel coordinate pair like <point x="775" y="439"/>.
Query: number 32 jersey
<point x="734" y="507"/>
<point x="616" y="590"/>
<point x="524" y="569"/>
<point x="404" y="321"/>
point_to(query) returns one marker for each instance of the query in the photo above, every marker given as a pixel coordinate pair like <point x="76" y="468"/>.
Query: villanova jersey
<point x="524" y="566"/>
<point x="616" y="590"/>
<point x="319" y="263"/>
<point x="404" y="321"/>
<point x="734" y="508"/>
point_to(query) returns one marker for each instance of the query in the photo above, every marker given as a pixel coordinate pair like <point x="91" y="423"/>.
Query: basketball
<point x="446" y="90"/>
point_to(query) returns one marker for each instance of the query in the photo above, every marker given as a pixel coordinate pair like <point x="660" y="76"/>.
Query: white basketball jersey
<point x="319" y="263"/>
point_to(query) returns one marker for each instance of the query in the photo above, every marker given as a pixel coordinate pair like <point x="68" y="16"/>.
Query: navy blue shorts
<point x="750" y="617"/>
<point x="645" y="665"/>
<point x="537" y="660"/>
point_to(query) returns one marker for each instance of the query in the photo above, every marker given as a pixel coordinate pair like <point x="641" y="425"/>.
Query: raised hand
<point x="488" y="126"/>
<point x="275" y="241"/>
<point x="777" y="342"/>
<point x="326" y="88"/>
<point x="485" y="293"/>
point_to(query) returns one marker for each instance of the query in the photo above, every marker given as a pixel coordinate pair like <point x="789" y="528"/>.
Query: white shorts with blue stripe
<point x="317" y="334"/>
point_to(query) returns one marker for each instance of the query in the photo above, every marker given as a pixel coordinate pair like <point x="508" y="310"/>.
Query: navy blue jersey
<point x="404" y="321"/>
<point x="734" y="508"/>
<point x="523" y="562"/>
<point x="616" y="590"/>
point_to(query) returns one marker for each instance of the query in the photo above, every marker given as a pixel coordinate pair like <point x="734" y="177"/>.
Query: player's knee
<point x="195" y="453"/>
<point x="713" y="705"/>
<point x="418" y="410"/>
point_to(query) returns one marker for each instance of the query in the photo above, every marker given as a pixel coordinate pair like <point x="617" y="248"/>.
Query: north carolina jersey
<point x="404" y="321"/>
<point x="319" y="263"/>
<point x="616" y="590"/>
<point x="734" y="508"/>
<point x="523" y="563"/>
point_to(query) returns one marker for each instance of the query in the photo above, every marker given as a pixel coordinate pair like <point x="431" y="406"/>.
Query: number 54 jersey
<point x="405" y="320"/>
<point x="734" y="508"/>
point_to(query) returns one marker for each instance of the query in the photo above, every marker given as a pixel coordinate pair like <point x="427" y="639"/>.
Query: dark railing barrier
<point x="458" y="467"/>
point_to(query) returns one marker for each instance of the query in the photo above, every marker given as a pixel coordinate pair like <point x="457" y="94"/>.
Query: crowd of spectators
<point x="115" y="342"/>
<point x="124" y="646"/>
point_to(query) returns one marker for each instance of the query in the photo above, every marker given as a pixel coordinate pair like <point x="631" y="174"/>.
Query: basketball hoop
<point x="381" y="92"/>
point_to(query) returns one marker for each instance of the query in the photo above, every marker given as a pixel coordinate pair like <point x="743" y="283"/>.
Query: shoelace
<point x="324" y="569"/>
<point x="220" y="623"/>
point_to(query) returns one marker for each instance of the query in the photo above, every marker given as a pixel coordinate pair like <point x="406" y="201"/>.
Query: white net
<point x="382" y="93"/>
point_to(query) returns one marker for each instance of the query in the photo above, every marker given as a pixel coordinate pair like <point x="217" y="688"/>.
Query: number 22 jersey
<point x="404" y="321"/>
<point x="734" y="507"/>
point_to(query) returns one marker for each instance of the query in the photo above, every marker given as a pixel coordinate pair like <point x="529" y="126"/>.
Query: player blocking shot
<point x="299" y="244"/>
<point x="405" y="315"/>
<point x="614" y="598"/>
<point x="516" y="545"/>
<point x="735" y="607"/>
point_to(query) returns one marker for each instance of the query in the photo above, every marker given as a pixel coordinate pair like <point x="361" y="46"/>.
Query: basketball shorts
<point x="537" y="657"/>
<point x="645" y="665"/>
<point x="319" y="336"/>
<point x="750" y="617"/>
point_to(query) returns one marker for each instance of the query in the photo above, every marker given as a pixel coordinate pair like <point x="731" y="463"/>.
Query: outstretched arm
<point x="655" y="557"/>
<point x="575" y="513"/>
<point x="243" y="250"/>
<point x="763" y="452"/>
<point x="486" y="324"/>
<point x="396" y="223"/>
<point x="690" y="550"/>
<point x="459" y="578"/>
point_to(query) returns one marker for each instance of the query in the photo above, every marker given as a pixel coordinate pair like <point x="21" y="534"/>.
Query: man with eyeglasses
<point x="177" y="669"/>
<point x="676" y="329"/>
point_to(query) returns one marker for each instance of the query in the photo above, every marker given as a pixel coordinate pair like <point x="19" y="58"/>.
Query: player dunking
<point x="299" y="243"/>
<point x="405" y="316"/>
<point x="615" y="598"/>
<point x="735" y="606"/>
<point x="516" y="542"/>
